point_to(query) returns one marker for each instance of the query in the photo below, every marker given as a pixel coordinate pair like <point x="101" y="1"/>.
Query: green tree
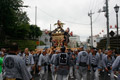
<point x="11" y="18"/>
<point x="35" y="32"/>
<point x="22" y="32"/>
<point x="14" y="22"/>
<point x="38" y="32"/>
<point x="32" y="32"/>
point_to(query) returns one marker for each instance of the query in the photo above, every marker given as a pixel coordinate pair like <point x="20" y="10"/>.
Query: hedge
<point x="31" y="44"/>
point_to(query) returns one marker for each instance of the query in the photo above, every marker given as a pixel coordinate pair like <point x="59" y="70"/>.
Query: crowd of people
<point x="62" y="64"/>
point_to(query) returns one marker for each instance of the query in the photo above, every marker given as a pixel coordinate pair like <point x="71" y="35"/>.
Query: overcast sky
<point x="74" y="13"/>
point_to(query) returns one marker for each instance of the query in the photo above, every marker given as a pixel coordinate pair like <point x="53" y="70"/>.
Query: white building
<point x="74" y="41"/>
<point x="45" y="38"/>
<point x="96" y="39"/>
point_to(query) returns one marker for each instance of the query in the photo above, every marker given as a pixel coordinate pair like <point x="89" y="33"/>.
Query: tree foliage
<point x="34" y="31"/>
<point x="14" y="22"/>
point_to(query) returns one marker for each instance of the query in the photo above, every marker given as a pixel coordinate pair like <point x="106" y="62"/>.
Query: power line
<point x="98" y="4"/>
<point x="75" y="22"/>
<point x="93" y="5"/>
<point x="47" y="14"/>
<point x="90" y="5"/>
<point x="63" y="20"/>
<point x="102" y="2"/>
<point x="96" y="18"/>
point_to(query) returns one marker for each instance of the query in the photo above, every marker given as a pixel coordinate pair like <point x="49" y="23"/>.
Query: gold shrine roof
<point x="58" y="31"/>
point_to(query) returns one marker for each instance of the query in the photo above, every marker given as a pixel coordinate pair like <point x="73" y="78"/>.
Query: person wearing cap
<point x="93" y="64"/>
<point x="43" y="63"/>
<point x="1" y="63"/>
<point x="82" y="65"/>
<point x="63" y="64"/>
<point x="116" y="65"/>
<point x="53" y="67"/>
<point x="107" y="65"/>
<point x="28" y="60"/>
<point x="14" y="67"/>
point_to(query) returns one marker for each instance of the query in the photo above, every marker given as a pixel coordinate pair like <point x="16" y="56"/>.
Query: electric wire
<point x="58" y="18"/>
<point x="96" y="18"/>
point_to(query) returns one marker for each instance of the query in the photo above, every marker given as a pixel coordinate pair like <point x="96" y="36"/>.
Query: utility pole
<point x="50" y="36"/>
<point x="107" y="16"/>
<point x="90" y="15"/>
<point x="35" y="15"/>
<point x="50" y="27"/>
<point x="106" y="10"/>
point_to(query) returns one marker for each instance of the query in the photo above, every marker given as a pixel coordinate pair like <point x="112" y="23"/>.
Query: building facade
<point x="96" y="39"/>
<point x="74" y="41"/>
<point x="45" y="38"/>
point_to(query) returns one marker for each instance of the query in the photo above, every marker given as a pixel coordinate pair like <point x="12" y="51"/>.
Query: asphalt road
<point x="36" y="77"/>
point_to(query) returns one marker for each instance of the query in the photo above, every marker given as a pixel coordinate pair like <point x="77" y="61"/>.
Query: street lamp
<point x="116" y="10"/>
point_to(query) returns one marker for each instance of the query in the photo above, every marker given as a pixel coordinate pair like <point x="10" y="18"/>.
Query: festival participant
<point x="94" y="64"/>
<point x="82" y="65"/>
<point x="43" y="63"/>
<point x="36" y="57"/>
<point x="53" y="67"/>
<point x="107" y="64"/>
<point x="72" y="62"/>
<point x="101" y="69"/>
<point x="14" y="67"/>
<point x="116" y="65"/>
<point x="1" y="63"/>
<point x="29" y="61"/>
<point x="63" y="65"/>
<point x="72" y="65"/>
<point x="76" y="72"/>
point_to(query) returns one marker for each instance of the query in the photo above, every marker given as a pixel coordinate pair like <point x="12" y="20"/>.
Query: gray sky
<point x="74" y="13"/>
